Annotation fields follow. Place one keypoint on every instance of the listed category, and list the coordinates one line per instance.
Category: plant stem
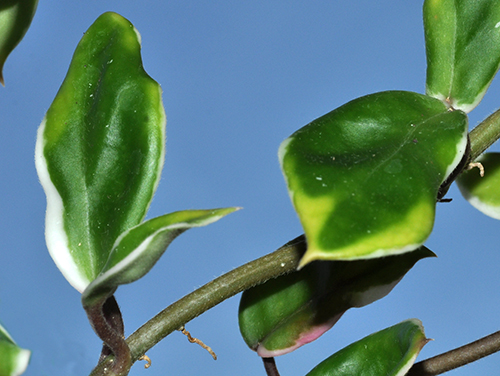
(270, 366)
(485, 134)
(105, 318)
(113, 316)
(282, 261)
(458, 357)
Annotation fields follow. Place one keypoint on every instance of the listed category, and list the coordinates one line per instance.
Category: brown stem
(108, 333)
(270, 366)
(458, 357)
(113, 316)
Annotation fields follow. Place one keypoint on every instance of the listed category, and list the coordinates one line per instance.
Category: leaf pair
(365, 178)
(99, 156)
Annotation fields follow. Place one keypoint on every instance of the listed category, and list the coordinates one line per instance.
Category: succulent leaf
(390, 352)
(100, 149)
(290, 311)
(364, 178)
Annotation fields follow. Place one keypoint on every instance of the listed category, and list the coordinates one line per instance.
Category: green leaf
(287, 312)
(390, 352)
(463, 49)
(483, 192)
(100, 149)
(138, 249)
(364, 178)
(13, 359)
(15, 19)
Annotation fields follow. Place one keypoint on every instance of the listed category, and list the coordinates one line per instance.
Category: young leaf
(462, 40)
(15, 19)
(483, 192)
(100, 149)
(13, 359)
(138, 249)
(287, 312)
(390, 352)
(364, 178)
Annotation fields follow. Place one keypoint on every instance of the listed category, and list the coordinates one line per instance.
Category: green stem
(485, 134)
(282, 261)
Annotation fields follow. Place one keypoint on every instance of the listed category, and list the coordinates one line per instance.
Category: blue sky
(237, 79)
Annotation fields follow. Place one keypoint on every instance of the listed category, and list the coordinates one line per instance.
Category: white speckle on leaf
(497, 25)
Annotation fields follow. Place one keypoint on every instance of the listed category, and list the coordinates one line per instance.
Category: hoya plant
(365, 180)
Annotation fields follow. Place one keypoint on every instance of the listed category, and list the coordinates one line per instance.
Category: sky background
(237, 79)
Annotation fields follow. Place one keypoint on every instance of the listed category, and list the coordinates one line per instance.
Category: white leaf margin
(22, 357)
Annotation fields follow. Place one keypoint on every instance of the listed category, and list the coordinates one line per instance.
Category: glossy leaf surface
(100, 149)
(364, 178)
(390, 352)
(483, 192)
(138, 249)
(15, 19)
(290, 311)
(13, 359)
(463, 49)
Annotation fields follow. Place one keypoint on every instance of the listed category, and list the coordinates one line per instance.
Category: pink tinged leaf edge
(55, 236)
(305, 338)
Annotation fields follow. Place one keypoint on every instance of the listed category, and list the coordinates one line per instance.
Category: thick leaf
(364, 178)
(285, 313)
(100, 149)
(390, 352)
(138, 249)
(463, 49)
(13, 359)
(15, 19)
(483, 192)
